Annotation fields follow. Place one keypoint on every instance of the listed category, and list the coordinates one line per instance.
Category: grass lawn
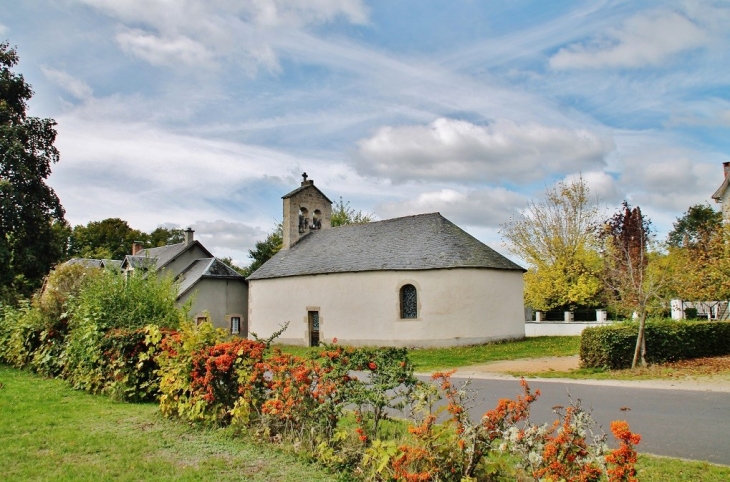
(431, 359)
(50, 432)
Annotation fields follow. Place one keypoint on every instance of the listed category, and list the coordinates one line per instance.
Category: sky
(184, 113)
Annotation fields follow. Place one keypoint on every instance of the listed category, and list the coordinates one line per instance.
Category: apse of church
(306, 209)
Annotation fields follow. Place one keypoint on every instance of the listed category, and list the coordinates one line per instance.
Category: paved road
(675, 423)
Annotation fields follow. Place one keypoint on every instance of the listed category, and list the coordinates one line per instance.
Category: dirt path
(501, 369)
(531, 365)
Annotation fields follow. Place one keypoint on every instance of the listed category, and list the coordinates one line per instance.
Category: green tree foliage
(111, 238)
(163, 236)
(264, 250)
(695, 227)
(556, 236)
(343, 213)
(31, 215)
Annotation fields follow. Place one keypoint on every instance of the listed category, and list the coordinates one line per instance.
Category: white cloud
(645, 39)
(713, 118)
(455, 150)
(296, 12)
(163, 51)
(485, 208)
(3, 29)
(669, 181)
(190, 32)
(75, 87)
(227, 234)
(601, 184)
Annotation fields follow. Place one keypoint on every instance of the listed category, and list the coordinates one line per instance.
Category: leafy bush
(129, 365)
(111, 302)
(613, 346)
(176, 363)
(33, 334)
(20, 334)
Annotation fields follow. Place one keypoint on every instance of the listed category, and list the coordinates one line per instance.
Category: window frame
(402, 301)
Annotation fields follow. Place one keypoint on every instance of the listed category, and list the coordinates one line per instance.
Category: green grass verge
(662, 469)
(50, 432)
(432, 359)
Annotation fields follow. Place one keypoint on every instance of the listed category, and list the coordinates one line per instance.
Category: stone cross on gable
(304, 175)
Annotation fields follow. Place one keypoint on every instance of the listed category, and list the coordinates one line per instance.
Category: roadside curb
(706, 385)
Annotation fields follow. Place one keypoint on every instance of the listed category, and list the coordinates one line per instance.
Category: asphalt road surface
(675, 423)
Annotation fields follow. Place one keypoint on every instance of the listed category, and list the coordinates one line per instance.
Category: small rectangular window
(200, 320)
(235, 325)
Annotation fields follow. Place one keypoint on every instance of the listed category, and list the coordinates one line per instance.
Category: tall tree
(703, 269)
(556, 236)
(110, 238)
(30, 209)
(695, 227)
(634, 274)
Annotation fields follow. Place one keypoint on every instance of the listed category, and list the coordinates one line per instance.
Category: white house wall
(220, 299)
(455, 307)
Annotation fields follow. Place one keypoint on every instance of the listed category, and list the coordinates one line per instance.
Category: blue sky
(205, 113)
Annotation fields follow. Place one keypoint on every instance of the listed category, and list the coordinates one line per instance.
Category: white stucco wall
(559, 328)
(455, 307)
(221, 299)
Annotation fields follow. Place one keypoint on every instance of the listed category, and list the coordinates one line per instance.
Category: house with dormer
(410, 281)
(216, 291)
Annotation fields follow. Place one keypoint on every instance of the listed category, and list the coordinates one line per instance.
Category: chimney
(136, 247)
(726, 168)
(189, 235)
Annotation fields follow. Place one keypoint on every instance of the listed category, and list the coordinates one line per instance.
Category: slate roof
(95, 263)
(424, 241)
(302, 188)
(111, 263)
(720, 193)
(87, 262)
(205, 268)
(159, 257)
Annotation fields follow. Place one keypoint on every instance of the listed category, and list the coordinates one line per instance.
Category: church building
(415, 281)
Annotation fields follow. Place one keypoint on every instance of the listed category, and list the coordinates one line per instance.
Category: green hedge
(613, 346)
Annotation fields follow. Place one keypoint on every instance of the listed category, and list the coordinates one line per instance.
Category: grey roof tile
(205, 268)
(302, 188)
(87, 262)
(718, 195)
(111, 263)
(424, 241)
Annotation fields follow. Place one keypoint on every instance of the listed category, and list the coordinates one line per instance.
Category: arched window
(408, 302)
(303, 219)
